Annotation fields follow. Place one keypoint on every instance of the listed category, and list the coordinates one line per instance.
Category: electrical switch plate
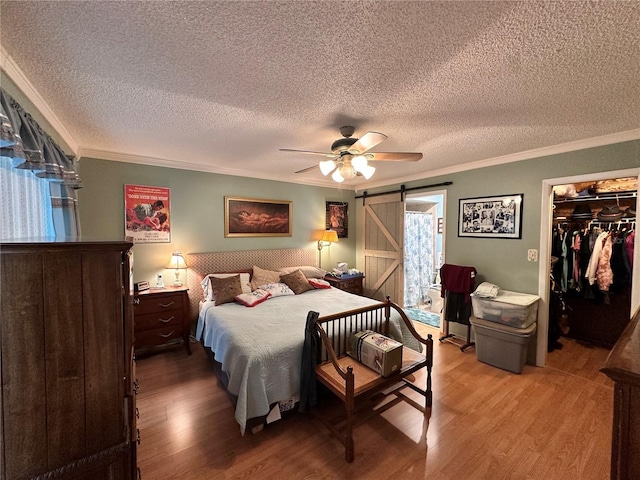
(532, 255)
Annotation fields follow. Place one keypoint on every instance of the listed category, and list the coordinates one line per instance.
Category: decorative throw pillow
(252, 299)
(262, 277)
(319, 283)
(207, 291)
(226, 289)
(297, 282)
(308, 270)
(277, 289)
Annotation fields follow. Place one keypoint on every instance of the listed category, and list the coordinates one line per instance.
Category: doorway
(423, 256)
(556, 209)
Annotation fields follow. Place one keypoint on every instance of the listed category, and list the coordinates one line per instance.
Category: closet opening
(423, 257)
(591, 261)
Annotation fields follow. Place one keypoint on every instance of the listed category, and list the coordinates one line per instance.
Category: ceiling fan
(350, 156)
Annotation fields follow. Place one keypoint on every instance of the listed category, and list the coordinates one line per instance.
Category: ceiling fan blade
(394, 156)
(307, 152)
(367, 141)
(307, 169)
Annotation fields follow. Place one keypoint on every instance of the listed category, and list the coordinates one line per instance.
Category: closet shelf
(598, 197)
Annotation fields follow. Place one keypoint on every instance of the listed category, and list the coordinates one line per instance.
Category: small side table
(348, 283)
(161, 315)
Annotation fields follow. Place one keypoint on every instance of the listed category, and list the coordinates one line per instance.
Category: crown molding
(88, 153)
(610, 139)
(17, 76)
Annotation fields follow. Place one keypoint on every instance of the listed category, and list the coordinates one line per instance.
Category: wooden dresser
(67, 401)
(623, 367)
(160, 317)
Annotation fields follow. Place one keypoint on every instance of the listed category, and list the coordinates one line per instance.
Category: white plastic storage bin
(518, 310)
(500, 345)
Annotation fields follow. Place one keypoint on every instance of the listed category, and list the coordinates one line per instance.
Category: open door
(383, 247)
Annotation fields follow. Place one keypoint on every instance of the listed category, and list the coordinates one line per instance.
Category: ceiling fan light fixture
(359, 162)
(327, 166)
(347, 171)
(336, 176)
(367, 171)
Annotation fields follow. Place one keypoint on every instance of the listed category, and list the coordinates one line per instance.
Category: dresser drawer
(158, 320)
(159, 303)
(157, 336)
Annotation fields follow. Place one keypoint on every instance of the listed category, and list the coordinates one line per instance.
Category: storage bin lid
(512, 298)
(500, 327)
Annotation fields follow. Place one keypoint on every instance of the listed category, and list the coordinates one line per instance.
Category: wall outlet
(532, 255)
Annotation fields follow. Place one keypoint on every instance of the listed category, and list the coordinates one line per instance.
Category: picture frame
(491, 217)
(337, 218)
(254, 217)
(147, 213)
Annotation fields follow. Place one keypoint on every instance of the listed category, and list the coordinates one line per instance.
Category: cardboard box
(380, 353)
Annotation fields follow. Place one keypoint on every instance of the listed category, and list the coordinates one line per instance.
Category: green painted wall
(197, 212)
(504, 261)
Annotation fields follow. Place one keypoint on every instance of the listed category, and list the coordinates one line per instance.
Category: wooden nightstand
(161, 315)
(349, 283)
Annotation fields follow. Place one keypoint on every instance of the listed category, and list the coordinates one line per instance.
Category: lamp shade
(327, 166)
(330, 236)
(176, 261)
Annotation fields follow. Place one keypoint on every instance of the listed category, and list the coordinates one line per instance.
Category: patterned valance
(31, 148)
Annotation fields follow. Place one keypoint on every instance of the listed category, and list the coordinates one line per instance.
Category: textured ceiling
(221, 86)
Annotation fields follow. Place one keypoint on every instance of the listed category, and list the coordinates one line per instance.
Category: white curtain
(25, 207)
(418, 257)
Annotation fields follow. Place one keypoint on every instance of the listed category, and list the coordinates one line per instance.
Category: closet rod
(402, 190)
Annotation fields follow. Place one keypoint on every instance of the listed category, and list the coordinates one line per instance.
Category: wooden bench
(358, 386)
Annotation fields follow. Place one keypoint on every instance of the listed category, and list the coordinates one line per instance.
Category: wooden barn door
(383, 247)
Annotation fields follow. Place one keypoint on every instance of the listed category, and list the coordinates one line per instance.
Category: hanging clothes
(592, 268)
(457, 284)
(604, 273)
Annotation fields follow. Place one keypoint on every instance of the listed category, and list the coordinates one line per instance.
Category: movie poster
(147, 214)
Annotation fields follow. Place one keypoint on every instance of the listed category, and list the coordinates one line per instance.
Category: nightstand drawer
(157, 336)
(351, 285)
(159, 303)
(158, 320)
(160, 316)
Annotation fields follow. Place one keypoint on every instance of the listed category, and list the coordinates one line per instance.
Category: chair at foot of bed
(359, 387)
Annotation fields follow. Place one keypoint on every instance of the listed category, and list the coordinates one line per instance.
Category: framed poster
(491, 217)
(147, 214)
(251, 217)
(338, 218)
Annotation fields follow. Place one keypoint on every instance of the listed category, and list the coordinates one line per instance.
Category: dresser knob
(136, 301)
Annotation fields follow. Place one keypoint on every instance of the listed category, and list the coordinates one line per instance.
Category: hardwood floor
(547, 423)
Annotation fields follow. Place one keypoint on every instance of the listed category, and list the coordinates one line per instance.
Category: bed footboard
(357, 385)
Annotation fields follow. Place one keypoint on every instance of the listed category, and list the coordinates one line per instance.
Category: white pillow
(207, 291)
(277, 289)
(252, 299)
(308, 270)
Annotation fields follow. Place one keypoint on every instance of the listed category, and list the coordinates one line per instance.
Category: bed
(258, 350)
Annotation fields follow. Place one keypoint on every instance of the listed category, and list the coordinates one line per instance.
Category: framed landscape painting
(252, 217)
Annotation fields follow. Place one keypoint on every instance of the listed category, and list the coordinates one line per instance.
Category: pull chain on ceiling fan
(350, 156)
